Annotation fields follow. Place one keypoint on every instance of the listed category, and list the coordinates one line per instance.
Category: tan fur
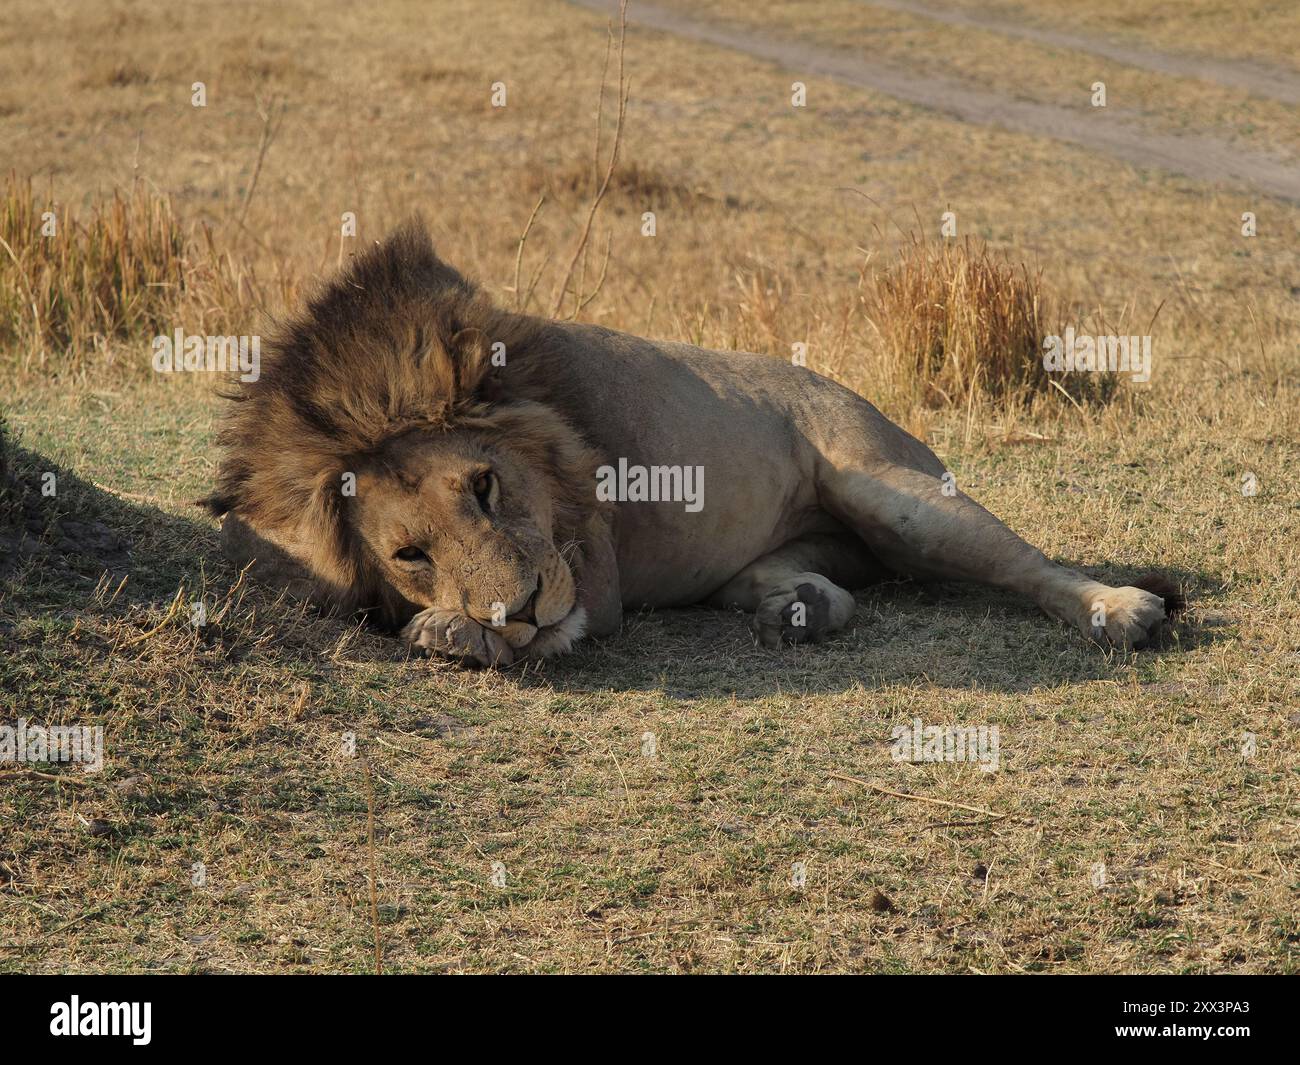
(393, 354)
(475, 522)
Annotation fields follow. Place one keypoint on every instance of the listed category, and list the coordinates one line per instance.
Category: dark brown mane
(398, 341)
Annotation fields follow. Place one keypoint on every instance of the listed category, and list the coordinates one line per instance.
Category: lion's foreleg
(792, 597)
(599, 587)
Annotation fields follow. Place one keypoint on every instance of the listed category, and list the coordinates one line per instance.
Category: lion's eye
(410, 554)
(482, 487)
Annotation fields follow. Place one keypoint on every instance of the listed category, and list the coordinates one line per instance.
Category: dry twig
(581, 247)
(270, 127)
(918, 798)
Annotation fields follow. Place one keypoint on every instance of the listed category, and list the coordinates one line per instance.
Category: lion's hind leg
(919, 524)
(791, 590)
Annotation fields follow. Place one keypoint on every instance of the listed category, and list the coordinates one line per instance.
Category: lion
(497, 486)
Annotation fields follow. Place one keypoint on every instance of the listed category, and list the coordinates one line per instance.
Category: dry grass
(1270, 33)
(74, 290)
(955, 324)
(947, 324)
(1026, 70)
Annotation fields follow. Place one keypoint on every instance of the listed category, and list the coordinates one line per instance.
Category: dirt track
(1196, 156)
(1275, 84)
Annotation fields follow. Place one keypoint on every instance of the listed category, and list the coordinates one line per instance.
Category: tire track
(1198, 156)
(1271, 82)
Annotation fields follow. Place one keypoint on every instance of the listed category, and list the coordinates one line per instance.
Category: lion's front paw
(451, 635)
(1126, 617)
(805, 608)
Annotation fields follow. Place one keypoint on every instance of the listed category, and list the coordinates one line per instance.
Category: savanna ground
(225, 746)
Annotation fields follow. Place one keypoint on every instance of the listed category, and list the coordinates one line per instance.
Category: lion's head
(404, 442)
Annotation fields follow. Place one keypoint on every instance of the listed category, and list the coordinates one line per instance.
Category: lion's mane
(399, 341)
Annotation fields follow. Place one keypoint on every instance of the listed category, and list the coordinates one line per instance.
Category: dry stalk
(370, 848)
(580, 248)
(916, 798)
(271, 124)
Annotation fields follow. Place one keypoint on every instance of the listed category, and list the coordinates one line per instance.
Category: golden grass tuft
(946, 324)
(126, 273)
(955, 319)
(955, 324)
(116, 74)
(637, 185)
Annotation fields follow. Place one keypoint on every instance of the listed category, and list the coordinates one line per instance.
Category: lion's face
(456, 520)
(474, 485)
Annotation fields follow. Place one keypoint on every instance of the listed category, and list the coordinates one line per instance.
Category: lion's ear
(470, 348)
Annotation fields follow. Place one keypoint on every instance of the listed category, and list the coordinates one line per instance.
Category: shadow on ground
(55, 549)
(955, 636)
(60, 536)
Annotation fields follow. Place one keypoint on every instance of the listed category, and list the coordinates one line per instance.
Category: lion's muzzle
(556, 594)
